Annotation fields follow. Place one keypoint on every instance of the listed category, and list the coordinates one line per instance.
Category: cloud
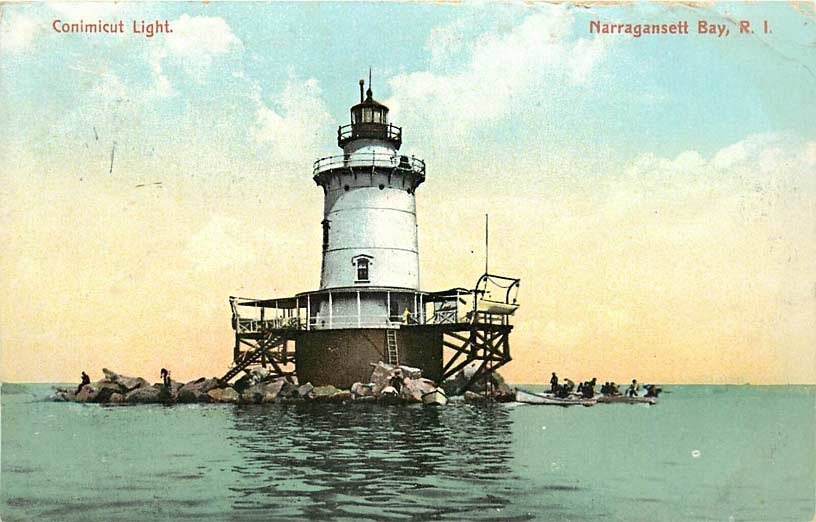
(504, 70)
(295, 127)
(695, 262)
(445, 41)
(193, 45)
(17, 31)
(110, 87)
(200, 38)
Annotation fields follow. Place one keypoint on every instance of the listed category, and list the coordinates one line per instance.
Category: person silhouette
(85, 380)
(165, 375)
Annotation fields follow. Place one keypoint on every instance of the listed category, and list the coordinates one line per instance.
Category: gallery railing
(396, 162)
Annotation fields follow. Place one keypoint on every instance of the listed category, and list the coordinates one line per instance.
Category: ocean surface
(728, 453)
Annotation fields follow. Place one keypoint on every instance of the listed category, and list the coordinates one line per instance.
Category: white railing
(456, 310)
(370, 159)
(256, 325)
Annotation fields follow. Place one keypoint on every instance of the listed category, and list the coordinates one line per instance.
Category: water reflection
(372, 462)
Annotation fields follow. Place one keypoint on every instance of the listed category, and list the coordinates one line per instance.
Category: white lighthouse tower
(369, 221)
(369, 216)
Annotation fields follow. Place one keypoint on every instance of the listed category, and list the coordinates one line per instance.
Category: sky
(655, 195)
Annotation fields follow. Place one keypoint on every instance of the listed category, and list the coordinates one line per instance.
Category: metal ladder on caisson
(391, 347)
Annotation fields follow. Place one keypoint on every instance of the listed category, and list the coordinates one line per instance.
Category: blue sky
(654, 194)
(700, 91)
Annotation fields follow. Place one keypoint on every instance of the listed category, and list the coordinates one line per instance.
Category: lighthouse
(369, 225)
(369, 307)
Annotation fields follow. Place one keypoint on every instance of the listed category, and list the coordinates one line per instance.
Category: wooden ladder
(391, 344)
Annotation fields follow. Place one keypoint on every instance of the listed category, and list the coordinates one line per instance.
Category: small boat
(549, 399)
(496, 307)
(622, 399)
(436, 397)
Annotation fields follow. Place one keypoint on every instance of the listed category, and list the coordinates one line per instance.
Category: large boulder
(381, 376)
(263, 392)
(191, 396)
(499, 389)
(196, 391)
(251, 378)
(324, 391)
(144, 395)
(456, 384)
(104, 383)
(261, 374)
(273, 389)
(224, 395)
(203, 384)
(288, 389)
(86, 394)
(104, 394)
(117, 398)
(341, 396)
(63, 395)
(360, 390)
(410, 372)
(128, 383)
(384, 373)
(330, 394)
(414, 389)
(170, 393)
(304, 391)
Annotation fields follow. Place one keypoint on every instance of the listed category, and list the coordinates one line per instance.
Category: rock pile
(400, 383)
(387, 384)
(497, 388)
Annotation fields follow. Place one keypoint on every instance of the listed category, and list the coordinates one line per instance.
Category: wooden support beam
(454, 346)
(455, 335)
(456, 368)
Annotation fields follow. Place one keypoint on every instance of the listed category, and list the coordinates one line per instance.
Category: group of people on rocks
(165, 376)
(587, 389)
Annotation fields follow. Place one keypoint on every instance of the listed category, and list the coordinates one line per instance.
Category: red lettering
(745, 26)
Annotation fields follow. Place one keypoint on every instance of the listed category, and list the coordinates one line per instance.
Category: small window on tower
(367, 116)
(362, 269)
(377, 116)
(362, 264)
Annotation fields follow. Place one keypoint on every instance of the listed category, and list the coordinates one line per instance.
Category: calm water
(703, 453)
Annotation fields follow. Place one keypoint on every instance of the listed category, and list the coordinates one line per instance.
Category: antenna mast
(487, 241)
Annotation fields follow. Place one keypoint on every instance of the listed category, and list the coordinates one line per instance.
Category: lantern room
(369, 121)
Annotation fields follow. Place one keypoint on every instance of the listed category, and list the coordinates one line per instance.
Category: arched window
(362, 269)
(362, 265)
